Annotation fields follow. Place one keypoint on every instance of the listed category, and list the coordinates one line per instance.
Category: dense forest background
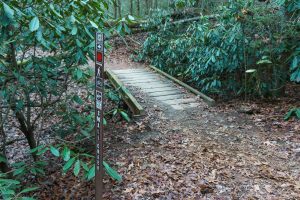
(240, 49)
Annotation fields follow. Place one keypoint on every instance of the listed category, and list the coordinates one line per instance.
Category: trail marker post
(99, 93)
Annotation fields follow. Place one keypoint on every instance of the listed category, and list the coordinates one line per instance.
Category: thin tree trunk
(147, 7)
(31, 139)
(4, 168)
(119, 8)
(28, 131)
(138, 7)
(115, 9)
(131, 7)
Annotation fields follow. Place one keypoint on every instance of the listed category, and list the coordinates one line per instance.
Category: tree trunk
(4, 168)
(32, 143)
(28, 131)
(138, 7)
(131, 7)
(147, 7)
(120, 8)
(115, 9)
(150, 4)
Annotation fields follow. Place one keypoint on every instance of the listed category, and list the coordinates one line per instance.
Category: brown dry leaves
(178, 159)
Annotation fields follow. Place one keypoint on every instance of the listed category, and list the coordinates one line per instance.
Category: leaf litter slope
(203, 153)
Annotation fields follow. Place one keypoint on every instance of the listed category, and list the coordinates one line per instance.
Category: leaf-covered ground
(235, 150)
(207, 154)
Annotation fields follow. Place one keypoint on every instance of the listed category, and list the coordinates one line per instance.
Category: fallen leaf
(268, 188)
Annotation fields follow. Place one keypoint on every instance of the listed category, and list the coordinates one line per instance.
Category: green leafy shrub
(295, 66)
(220, 54)
(44, 74)
(43, 46)
(11, 189)
(295, 112)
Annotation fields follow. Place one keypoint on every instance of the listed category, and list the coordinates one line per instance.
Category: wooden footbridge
(157, 85)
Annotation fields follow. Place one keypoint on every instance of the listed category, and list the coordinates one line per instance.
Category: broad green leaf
(264, 61)
(39, 35)
(104, 122)
(19, 12)
(111, 172)
(19, 164)
(88, 155)
(77, 168)
(54, 151)
(130, 17)
(27, 198)
(127, 30)
(34, 24)
(91, 173)
(298, 113)
(291, 113)
(119, 28)
(33, 171)
(125, 116)
(42, 151)
(36, 148)
(29, 190)
(72, 19)
(19, 171)
(213, 59)
(2, 159)
(78, 100)
(294, 64)
(40, 171)
(20, 105)
(9, 12)
(85, 133)
(8, 192)
(78, 43)
(9, 181)
(79, 73)
(250, 71)
(85, 166)
(94, 24)
(74, 30)
(88, 32)
(295, 76)
(66, 154)
(55, 12)
(68, 165)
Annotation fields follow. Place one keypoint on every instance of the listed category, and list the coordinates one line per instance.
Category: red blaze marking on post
(99, 56)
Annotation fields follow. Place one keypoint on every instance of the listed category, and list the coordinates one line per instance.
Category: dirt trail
(203, 153)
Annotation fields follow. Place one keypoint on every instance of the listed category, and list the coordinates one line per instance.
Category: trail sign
(99, 93)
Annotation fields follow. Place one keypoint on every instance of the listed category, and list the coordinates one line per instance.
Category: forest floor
(219, 152)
